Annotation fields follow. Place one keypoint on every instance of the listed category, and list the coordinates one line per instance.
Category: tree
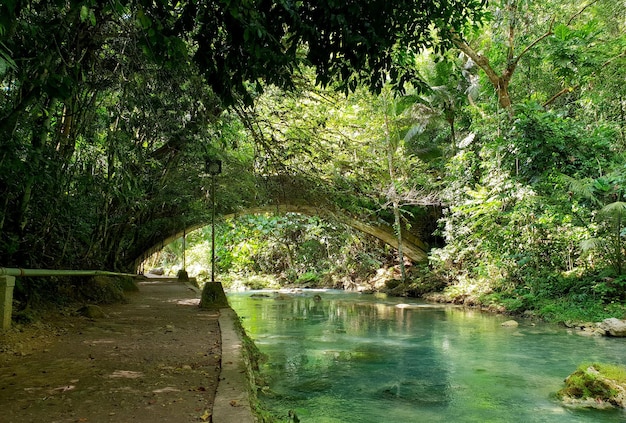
(611, 244)
(120, 95)
(565, 33)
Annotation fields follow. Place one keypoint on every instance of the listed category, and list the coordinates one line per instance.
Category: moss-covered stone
(92, 312)
(102, 290)
(126, 283)
(595, 386)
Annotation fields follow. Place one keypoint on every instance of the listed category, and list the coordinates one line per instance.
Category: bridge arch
(412, 246)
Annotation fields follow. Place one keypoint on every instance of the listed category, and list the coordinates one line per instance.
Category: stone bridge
(293, 195)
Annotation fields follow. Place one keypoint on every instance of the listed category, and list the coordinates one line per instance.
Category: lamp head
(213, 166)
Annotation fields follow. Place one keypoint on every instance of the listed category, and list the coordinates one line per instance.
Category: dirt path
(155, 359)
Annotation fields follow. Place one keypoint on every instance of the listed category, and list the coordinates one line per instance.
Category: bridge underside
(412, 246)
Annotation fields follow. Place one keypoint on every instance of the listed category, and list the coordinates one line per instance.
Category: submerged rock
(510, 324)
(258, 295)
(282, 297)
(586, 328)
(597, 386)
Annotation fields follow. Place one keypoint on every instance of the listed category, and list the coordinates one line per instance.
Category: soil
(155, 359)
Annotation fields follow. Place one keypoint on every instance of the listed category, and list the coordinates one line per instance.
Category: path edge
(232, 399)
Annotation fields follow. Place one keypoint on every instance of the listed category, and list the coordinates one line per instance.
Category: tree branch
(479, 59)
(534, 43)
(577, 14)
(575, 87)
(559, 94)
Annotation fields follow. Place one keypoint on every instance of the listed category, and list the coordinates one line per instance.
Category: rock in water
(510, 324)
(613, 327)
(595, 386)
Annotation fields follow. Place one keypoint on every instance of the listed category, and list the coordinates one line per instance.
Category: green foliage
(611, 289)
(545, 142)
(103, 140)
(610, 371)
(520, 222)
(238, 281)
(420, 281)
(560, 298)
(344, 43)
(308, 279)
(611, 243)
(575, 308)
(306, 251)
(103, 135)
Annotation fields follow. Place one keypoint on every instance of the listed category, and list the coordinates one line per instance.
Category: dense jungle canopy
(504, 123)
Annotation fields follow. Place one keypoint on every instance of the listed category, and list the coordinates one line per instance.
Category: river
(343, 357)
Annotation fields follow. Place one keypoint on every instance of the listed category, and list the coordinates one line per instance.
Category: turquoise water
(365, 358)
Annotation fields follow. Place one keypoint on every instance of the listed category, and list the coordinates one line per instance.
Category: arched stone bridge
(294, 195)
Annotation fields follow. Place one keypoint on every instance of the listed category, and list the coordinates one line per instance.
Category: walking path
(158, 358)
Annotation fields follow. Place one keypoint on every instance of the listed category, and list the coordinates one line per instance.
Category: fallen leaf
(62, 389)
(128, 374)
(205, 416)
(166, 389)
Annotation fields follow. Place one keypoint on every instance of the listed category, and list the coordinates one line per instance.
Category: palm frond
(613, 212)
(592, 244)
(582, 188)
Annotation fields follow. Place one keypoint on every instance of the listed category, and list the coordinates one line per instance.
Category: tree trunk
(499, 82)
(392, 192)
(398, 228)
(38, 143)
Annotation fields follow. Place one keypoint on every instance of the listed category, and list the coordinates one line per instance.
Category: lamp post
(213, 295)
(185, 249)
(213, 167)
(183, 276)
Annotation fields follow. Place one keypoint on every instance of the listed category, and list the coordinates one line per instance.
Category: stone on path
(92, 312)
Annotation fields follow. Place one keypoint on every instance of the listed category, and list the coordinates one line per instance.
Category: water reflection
(360, 358)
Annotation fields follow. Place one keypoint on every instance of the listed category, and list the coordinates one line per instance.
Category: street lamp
(183, 276)
(213, 167)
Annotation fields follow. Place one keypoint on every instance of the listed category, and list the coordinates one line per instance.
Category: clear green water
(361, 358)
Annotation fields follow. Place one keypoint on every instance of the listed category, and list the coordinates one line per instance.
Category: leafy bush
(101, 290)
(308, 279)
(544, 142)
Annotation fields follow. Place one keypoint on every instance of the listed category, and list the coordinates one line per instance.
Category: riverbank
(568, 310)
(157, 358)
